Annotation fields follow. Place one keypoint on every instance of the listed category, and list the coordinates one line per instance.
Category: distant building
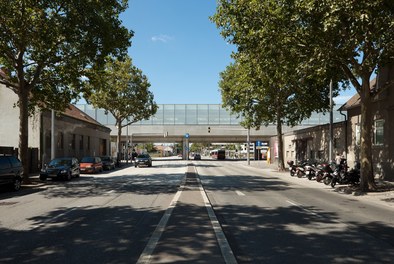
(76, 133)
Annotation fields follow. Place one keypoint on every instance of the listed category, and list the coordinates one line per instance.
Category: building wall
(382, 154)
(9, 118)
(96, 138)
(73, 138)
(313, 143)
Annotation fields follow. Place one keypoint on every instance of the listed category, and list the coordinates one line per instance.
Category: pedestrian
(338, 158)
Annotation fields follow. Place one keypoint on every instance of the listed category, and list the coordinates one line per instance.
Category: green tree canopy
(122, 90)
(45, 46)
(269, 81)
(350, 37)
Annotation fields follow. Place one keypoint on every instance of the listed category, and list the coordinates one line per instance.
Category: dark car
(11, 172)
(108, 163)
(61, 168)
(197, 156)
(143, 160)
(91, 165)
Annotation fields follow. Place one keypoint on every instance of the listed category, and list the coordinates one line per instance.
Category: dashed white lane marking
(239, 193)
(303, 208)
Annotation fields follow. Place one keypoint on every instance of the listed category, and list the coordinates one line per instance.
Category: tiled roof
(75, 112)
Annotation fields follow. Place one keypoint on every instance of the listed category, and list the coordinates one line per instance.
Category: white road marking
(306, 210)
(154, 239)
(225, 248)
(239, 193)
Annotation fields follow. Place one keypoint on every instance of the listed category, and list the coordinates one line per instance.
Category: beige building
(312, 143)
(76, 133)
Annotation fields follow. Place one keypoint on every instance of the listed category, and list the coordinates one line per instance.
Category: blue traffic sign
(187, 135)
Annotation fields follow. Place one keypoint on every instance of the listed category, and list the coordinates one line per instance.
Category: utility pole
(248, 147)
(330, 148)
(52, 134)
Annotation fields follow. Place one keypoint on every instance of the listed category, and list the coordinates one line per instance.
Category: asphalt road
(264, 217)
(270, 217)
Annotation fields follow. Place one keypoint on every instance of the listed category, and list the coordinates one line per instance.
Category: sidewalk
(385, 195)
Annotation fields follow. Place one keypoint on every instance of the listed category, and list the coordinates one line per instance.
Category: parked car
(143, 160)
(11, 172)
(108, 163)
(197, 156)
(61, 168)
(91, 165)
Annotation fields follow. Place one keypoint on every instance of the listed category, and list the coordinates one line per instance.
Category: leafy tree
(354, 37)
(269, 82)
(122, 90)
(196, 147)
(45, 47)
(358, 38)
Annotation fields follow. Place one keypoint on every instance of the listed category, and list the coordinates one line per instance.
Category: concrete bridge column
(185, 154)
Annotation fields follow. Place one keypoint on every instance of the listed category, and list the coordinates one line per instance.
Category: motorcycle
(327, 172)
(292, 167)
(343, 176)
(298, 169)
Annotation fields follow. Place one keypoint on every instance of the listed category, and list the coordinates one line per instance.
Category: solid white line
(225, 248)
(154, 239)
(239, 193)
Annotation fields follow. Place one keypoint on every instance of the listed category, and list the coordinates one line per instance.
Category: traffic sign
(187, 135)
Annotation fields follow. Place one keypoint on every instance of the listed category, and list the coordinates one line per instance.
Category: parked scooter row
(328, 173)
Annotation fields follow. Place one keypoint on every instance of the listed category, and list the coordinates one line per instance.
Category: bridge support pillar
(185, 154)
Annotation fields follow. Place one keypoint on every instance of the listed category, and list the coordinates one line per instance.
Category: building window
(378, 132)
(88, 142)
(81, 142)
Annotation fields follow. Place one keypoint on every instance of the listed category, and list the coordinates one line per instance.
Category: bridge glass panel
(111, 119)
(158, 118)
(234, 119)
(225, 117)
(202, 114)
(168, 114)
(146, 122)
(180, 114)
(214, 114)
(101, 116)
(91, 111)
(191, 114)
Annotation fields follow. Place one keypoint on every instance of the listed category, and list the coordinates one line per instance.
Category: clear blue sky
(180, 50)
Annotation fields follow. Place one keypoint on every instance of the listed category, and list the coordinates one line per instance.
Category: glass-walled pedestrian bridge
(198, 122)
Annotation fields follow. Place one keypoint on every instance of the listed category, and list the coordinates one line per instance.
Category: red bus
(218, 154)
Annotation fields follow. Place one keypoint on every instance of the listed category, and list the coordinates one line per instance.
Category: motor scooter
(327, 172)
(292, 167)
(342, 176)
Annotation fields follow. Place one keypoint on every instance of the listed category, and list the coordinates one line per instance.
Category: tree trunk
(118, 142)
(367, 181)
(23, 97)
(281, 164)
